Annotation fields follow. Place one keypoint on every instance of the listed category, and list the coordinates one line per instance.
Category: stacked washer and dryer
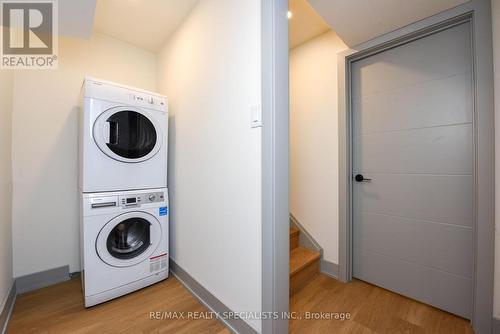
(123, 184)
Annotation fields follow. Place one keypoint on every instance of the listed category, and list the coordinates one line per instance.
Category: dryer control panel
(148, 100)
(109, 91)
(138, 199)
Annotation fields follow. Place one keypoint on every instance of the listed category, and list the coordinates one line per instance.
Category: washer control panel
(148, 100)
(138, 199)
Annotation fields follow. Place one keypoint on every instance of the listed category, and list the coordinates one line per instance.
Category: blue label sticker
(164, 211)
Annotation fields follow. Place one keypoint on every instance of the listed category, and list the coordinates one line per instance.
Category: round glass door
(128, 239)
(127, 134)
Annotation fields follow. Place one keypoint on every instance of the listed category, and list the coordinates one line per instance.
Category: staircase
(304, 263)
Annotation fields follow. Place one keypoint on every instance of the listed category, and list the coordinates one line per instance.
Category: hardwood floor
(59, 309)
(372, 310)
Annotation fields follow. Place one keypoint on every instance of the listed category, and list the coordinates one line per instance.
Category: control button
(151, 100)
(152, 197)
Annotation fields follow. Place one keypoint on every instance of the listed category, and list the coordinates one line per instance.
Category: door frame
(478, 13)
(275, 134)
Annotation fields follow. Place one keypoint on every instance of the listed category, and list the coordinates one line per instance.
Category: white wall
(314, 139)
(45, 150)
(210, 70)
(5, 185)
(496, 51)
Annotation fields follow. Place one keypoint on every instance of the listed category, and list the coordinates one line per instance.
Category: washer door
(127, 134)
(128, 239)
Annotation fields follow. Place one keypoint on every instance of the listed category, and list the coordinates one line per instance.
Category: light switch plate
(256, 116)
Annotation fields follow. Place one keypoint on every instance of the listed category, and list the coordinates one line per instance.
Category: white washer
(123, 138)
(124, 240)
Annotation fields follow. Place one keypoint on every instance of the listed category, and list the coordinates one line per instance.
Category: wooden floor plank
(372, 310)
(59, 309)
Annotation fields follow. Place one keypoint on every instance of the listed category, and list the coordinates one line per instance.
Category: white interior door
(413, 137)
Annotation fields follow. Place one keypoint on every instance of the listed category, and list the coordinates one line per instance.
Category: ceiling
(148, 25)
(356, 22)
(144, 24)
(305, 23)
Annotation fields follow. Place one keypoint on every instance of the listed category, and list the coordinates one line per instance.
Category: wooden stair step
(294, 238)
(300, 258)
(304, 266)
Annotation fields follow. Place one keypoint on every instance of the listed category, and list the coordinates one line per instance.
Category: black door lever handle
(361, 178)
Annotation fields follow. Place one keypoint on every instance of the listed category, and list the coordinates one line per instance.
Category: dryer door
(128, 239)
(127, 134)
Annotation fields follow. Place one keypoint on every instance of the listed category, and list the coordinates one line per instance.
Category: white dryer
(124, 240)
(123, 138)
